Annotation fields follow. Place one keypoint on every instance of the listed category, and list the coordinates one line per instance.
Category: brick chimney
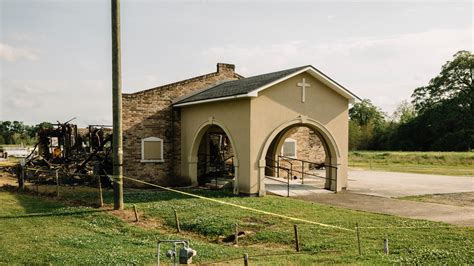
(225, 68)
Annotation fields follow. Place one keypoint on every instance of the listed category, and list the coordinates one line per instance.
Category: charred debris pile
(75, 154)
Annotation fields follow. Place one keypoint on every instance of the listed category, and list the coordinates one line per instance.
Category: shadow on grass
(88, 196)
(143, 196)
(43, 205)
(53, 214)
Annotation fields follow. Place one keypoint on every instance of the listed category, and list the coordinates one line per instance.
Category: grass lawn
(41, 230)
(443, 163)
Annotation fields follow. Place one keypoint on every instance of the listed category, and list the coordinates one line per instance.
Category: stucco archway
(329, 143)
(193, 155)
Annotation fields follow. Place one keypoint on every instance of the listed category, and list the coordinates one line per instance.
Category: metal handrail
(286, 160)
(303, 173)
(295, 159)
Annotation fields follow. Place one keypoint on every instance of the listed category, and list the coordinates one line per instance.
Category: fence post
(385, 246)
(358, 239)
(57, 183)
(297, 241)
(21, 179)
(246, 259)
(101, 197)
(176, 220)
(136, 213)
(25, 176)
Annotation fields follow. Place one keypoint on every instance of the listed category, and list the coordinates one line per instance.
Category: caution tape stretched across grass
(225, 203)
(240, 206)
(256, 210)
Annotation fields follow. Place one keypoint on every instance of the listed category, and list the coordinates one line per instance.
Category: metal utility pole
(117, 107)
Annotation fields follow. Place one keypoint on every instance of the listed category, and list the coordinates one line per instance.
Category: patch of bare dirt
(455, 199)
(7, 179)
(128, 216)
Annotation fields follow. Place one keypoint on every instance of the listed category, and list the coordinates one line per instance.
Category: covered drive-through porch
(249, 131)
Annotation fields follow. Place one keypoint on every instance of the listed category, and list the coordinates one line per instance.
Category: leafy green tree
(404, 112)
(365, 120)
(43, 125)
(365, 113)
(5, 131)
(17, 132)
(445, 107)
(355, 135)
(454, 81)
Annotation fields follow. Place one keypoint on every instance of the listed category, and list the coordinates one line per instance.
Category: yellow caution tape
(241, 207)
(257, 210)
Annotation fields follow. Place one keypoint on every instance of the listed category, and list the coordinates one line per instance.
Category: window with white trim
(152, 150)
(289, 148)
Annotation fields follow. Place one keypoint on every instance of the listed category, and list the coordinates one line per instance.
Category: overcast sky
(55, 57)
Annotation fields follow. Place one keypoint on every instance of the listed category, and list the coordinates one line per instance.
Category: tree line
(440, 116)
(16, 132)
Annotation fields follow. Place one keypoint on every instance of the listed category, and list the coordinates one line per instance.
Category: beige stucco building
(244, 121)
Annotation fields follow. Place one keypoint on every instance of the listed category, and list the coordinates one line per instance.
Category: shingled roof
(249, 87)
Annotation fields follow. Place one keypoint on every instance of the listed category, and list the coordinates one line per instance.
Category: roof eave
(332, 84)
(247, 95)
(310, 69)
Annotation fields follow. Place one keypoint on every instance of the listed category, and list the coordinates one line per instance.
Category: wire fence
(358, 237)
(53, 179)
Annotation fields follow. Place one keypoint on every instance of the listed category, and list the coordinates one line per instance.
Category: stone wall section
(308, 148)
(149, 113)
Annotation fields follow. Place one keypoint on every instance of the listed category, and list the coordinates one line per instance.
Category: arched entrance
(276, 158)
(213, 159)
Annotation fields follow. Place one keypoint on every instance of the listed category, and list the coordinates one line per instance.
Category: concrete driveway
(395, 184)
(379, 183)
(376, 191)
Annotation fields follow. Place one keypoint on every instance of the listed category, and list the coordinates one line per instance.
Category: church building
(221, 127)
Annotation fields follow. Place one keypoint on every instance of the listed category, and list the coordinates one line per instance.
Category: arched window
(152, 150)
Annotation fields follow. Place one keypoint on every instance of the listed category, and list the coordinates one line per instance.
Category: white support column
(261, 178)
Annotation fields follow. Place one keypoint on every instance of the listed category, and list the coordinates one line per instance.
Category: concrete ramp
(279, 186)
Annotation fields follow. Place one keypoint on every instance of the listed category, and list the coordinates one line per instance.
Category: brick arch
(193, 155)
(330, 146)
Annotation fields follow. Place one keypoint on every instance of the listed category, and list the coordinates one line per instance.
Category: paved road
(394, 184)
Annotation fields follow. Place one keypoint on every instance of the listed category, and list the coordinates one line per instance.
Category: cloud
(12, 54)
(24, 103)
(392, 66)
(33, 101)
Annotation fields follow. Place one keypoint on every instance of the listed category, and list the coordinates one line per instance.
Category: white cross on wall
(303, 86)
